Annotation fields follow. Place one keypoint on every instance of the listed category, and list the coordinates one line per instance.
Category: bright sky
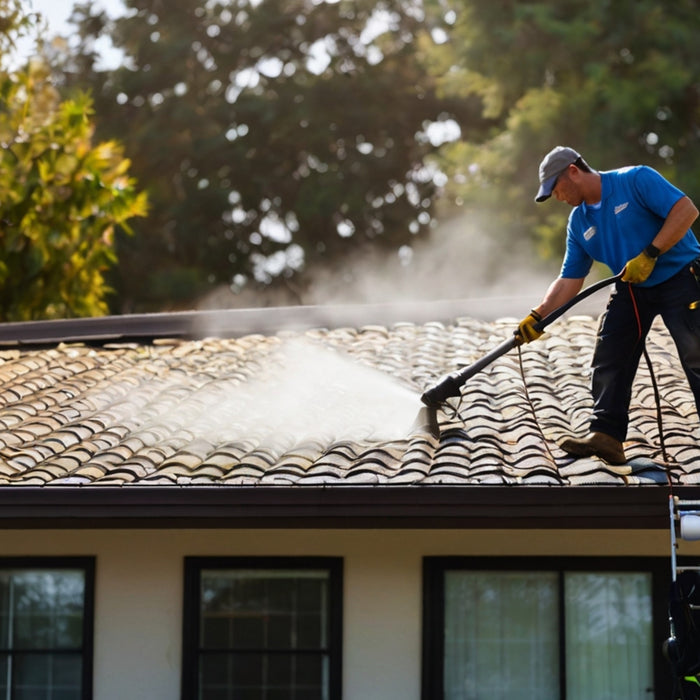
(57, 12)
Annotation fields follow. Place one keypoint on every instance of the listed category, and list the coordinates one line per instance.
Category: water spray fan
(451, 384)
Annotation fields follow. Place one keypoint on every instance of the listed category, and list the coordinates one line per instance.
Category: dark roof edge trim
(480, 507)
(227, 322)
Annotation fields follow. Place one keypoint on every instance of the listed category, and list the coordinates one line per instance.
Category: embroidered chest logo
(621, 207)
(589, 233)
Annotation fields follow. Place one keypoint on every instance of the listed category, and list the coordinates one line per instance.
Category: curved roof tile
(244, 411)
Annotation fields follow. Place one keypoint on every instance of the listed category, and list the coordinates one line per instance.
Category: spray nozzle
(447, 387)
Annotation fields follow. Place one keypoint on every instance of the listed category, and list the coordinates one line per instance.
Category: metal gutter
(477, 507)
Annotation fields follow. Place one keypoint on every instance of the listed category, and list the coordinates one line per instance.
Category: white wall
(140, 583)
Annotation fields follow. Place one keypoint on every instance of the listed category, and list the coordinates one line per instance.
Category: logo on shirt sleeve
(621, 207)
(589, 233)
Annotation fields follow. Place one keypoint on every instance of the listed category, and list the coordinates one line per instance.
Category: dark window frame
(434, 569)
(86, 564)
(194, 565)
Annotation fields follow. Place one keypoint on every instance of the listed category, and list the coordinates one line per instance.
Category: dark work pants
(621, 336)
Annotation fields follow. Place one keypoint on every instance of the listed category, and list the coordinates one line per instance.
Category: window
(46, 628)
(544, 629)
(261, 628)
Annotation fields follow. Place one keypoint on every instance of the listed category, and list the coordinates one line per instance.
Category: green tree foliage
(272, 134)
(14, 23)
(618, 81)
(60, 197)
(275, 135)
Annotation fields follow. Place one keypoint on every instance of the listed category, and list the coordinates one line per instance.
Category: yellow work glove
(638, 269)
(526, 331)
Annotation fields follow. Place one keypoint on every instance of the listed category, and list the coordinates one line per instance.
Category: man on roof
(636, 222)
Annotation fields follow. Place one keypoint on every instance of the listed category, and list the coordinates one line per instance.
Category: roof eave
(401, 507)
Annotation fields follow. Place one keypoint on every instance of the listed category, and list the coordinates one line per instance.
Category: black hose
(450, 384)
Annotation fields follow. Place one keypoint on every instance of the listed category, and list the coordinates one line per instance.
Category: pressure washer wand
(451, 384)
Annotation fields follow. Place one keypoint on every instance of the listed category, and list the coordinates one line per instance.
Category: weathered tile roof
(332, 410)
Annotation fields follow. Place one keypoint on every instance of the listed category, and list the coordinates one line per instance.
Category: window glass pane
(501, 635)
(41, 609)
(263, 676)
(609, 645)
(265, 633)
(4, 674)
(46, 676)
(41, 633)
(264, 610)
(215, 672)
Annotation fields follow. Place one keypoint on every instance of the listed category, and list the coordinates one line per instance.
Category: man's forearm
(559, 292)
(679, 220)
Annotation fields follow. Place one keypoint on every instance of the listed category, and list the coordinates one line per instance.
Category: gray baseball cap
(551, 167)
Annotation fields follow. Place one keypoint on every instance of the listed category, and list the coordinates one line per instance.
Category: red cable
(657, 396)
(636, 312)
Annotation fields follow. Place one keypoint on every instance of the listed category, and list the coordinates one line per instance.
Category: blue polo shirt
(634, 203)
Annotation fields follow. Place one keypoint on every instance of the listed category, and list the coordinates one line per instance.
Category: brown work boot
(595, 444)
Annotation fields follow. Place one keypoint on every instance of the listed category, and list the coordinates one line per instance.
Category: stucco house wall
(139, 591)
